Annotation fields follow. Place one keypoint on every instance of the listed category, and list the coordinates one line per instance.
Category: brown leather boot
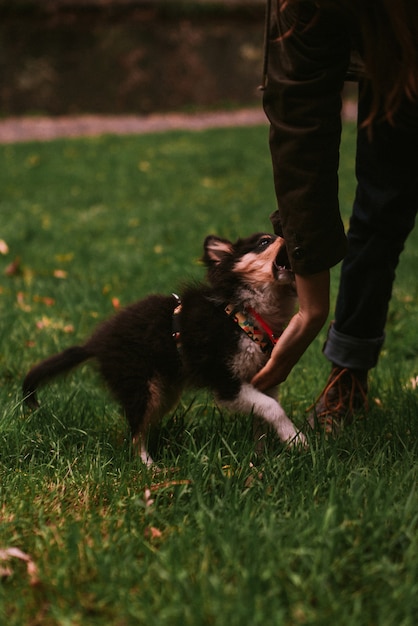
(344, 395)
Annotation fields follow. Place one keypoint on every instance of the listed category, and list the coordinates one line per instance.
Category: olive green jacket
(302, 99)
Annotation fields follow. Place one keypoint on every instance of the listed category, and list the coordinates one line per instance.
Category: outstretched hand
(313, 296)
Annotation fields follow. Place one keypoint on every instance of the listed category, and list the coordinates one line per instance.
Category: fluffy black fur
(139, 358)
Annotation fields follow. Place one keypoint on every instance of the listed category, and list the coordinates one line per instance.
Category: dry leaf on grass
(21, 303)
(14, 268)
(61, 274)
(152, 533)
(169, 483)
(414, 382)
(49, 323)
(46, 300)
(15, 553)
(4, 248)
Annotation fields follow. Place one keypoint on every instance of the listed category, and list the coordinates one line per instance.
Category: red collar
(254, 326)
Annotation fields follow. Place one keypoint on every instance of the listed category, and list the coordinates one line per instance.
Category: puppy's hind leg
(140, 436)
(139, 442)
(145, 416)
(249, 399)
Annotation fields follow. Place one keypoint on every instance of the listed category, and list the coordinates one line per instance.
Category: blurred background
(66, 57)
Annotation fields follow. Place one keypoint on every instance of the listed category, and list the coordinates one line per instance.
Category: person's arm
(308, 58)
(309, 53)
(313, 294)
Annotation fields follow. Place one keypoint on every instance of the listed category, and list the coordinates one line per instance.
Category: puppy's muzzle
(281, 266)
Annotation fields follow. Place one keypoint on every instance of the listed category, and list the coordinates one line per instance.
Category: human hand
(313, 296)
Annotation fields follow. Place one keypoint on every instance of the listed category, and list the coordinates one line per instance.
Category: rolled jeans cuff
(352, 352)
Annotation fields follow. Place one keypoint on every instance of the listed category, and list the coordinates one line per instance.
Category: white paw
(146, 458)
(141, 451)
(298, 441)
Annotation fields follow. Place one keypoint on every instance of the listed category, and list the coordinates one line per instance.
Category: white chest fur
(248, 360)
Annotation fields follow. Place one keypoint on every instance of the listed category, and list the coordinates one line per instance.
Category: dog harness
(250, 322)
(175, 326)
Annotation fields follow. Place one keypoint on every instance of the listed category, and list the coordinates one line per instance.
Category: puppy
(217, 335)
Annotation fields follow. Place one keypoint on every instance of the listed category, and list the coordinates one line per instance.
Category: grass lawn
(327, 536)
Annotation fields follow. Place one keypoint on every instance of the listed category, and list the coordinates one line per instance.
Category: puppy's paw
(298, 442)
(146, 458)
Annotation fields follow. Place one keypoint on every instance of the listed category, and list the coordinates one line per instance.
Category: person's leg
(384, 212)
(383, 215)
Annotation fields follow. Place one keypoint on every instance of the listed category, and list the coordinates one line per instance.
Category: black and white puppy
(217, 335)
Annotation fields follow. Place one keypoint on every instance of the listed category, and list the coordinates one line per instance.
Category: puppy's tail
(50, 368)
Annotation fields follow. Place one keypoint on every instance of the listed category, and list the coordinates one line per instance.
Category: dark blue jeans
(384, 211)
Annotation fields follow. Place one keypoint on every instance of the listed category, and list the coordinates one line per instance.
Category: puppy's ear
(215, 250)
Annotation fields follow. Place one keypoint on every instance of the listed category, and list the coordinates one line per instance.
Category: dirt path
(17, 129)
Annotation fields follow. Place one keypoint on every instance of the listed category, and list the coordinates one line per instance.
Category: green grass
(326, 536)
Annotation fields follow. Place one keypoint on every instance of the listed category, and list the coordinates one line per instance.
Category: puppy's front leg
(261, 429)
(250, 400)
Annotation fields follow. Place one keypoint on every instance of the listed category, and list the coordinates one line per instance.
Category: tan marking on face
(257, 267)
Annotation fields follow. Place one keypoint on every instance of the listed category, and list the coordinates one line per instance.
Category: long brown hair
(389, 31)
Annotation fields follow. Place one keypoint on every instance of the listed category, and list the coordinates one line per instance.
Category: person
(311, 49)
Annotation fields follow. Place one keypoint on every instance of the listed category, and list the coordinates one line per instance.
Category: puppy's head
(256, 261)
